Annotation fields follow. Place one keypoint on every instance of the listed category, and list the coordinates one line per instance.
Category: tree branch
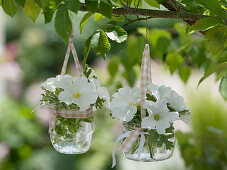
(183, 15)
(173, 5)
(131, 21)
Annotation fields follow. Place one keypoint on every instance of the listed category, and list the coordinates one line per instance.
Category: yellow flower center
(156, 117)
(76, 95)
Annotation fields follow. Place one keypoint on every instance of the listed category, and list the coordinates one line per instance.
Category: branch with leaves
(207, 16)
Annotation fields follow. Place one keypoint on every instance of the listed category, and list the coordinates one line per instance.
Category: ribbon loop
(76, 60)
(145, 78)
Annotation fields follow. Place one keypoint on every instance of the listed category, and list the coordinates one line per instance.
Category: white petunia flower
(123, 105)
(80, 92)
(63, 81)
(159, 116)
(101, 91)
(166, 94)
(51, 83)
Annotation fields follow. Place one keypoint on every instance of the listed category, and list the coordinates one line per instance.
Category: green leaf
(84, 20)
(116, 33)
(86, 50)
(97, 17)
(184, 73)
(20, 2)
(73, 5)
(91, 5)
(63, 25)
(155, 34)
(10, 7)
(221, 74)
(113, 66)
(53, 4)
(206, 23)
(153, 3)
(44, 3)
(105, 8)
(213, 6)
(120, 18)
(174, 61)
(160, 1)
(216, 68)
(137, 3)
(215, 38)
(48, 15)
(161, 47)
(31, 9)
(223, 87)
(100, 43)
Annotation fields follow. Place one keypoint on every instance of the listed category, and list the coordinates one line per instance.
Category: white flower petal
(171, 116)
(161, 129)
(148, 123)
(49, 84)
(66, 97)
(186, 118)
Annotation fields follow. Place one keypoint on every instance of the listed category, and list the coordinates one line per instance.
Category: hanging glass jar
(156, 147)
(72, 135)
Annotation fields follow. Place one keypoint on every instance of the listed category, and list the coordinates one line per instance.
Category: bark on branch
(190, 18)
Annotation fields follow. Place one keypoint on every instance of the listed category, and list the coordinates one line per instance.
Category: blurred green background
(33, 52)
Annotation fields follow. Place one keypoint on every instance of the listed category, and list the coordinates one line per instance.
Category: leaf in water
(206, 23)
(31, 9)
(116, 33)
(223, 87)
(100, 43)
(153, 3)
(216, 68)
(73, 5)
(10, 7)
(216, 38)
(174, 61)
(105, 8)
(91, 5)
(184, 73)
(63, 25)
(213, 6)
(84, 20)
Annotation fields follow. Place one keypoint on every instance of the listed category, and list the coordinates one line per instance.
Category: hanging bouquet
(73, 101)
(74, 93)
(148, 114)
